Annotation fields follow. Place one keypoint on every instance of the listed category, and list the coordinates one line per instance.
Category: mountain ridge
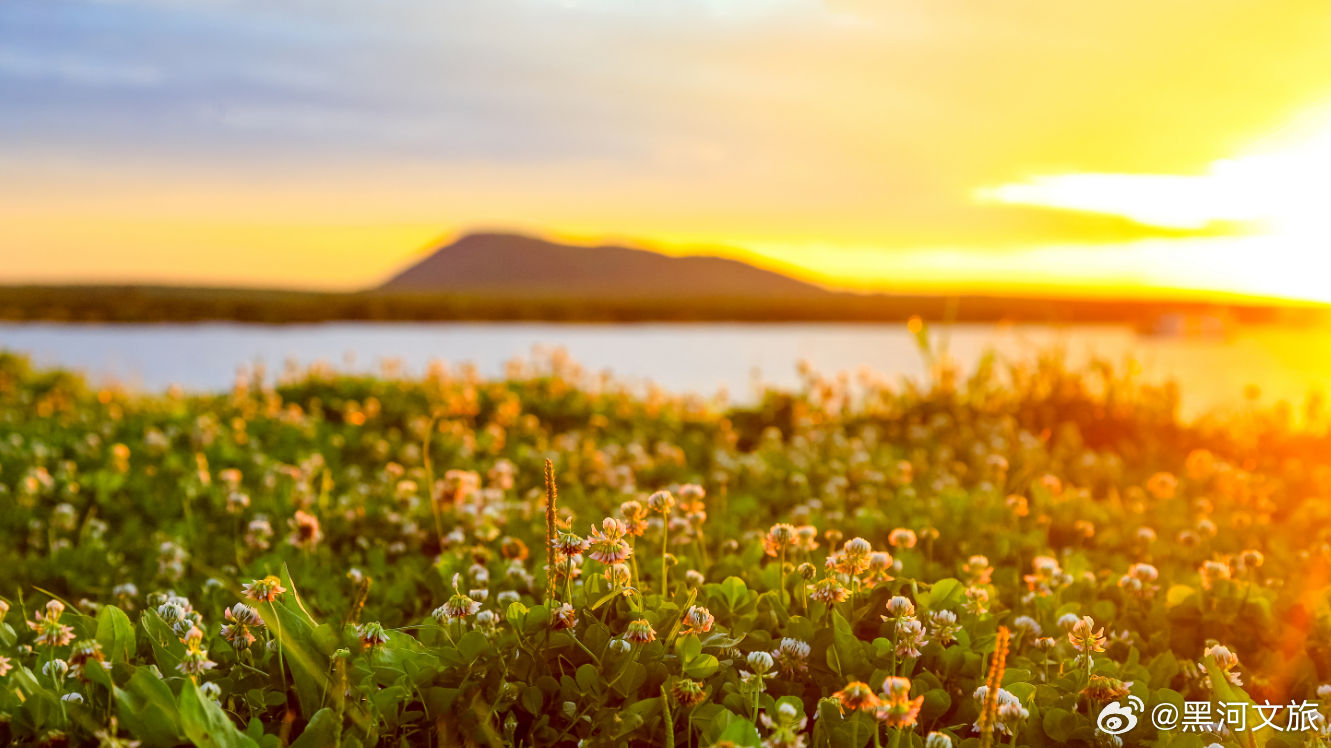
(506, 264)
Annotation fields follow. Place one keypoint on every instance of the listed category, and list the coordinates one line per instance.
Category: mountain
(508, 265)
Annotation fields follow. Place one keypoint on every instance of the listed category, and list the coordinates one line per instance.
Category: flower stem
(665, 545)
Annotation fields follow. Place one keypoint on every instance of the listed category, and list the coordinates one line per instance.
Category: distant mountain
(511, 265)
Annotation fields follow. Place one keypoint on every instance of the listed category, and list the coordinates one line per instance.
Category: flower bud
(899, 607)
(760, 662)
(937, 740)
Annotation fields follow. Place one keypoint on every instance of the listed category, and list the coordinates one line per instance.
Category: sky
(1097, 147)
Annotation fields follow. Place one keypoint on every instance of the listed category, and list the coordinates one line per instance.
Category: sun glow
(1281, 181)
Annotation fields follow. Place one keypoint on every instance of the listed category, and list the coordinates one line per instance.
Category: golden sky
(1111, 147)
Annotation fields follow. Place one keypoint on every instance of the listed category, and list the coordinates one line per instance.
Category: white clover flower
(760, 662)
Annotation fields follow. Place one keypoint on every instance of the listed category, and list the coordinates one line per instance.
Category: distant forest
(160, 304)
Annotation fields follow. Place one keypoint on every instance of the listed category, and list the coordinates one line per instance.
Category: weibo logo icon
(1116, 718)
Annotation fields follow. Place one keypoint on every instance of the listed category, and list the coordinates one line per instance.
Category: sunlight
(1280, 182)
(1278, 185)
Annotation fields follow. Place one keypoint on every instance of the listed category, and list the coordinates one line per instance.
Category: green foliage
(1027, 501)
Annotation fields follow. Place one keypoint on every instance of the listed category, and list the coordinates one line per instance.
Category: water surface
(703, 358)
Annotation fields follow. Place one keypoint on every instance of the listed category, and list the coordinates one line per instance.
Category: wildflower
(50, 632)
(761, 662)
(1084, 639)
(661, 502)
(640, 632)
(563, 617)
(609, 547)
(72, 698)
(1052, 484)
(55, 669)
(4, 609)
(807, 570)
(569, 567)
(780, 537)
(618, 575)
(697, 620)
(688, 692)
(1018, 505)
(1104, 688)
(1068, 620)
(977, 600)
(694, 578)
(1162, 485)
(1226, 661)
(902, 538)
(171, 612)
(943, 626)
(1027, 626)
(258, 532)
(237, 502)
(1011, 717)
(513, 548)
(857, 548)
(305, 532)
(1004, 698)
(5, 666)
(1084, 528)
(83, 652)
(1130, 584)
(195, 662)
(1046, 571)
(457, 486)
(211, 690)
(791, 656)
(1139, 580)
(569, 544)
(910, 637)
(1146, 535)
(937, 740)
(899, 607)
(829, 591)
(856, 695)
(897, 708)
(1212, 572)
(786, 729)
(458, 606)
(1250, 559)
(978, 570)
(372, 635)
(692, 492)
(635, 518)
(242, 619)
(879, 564)
(806, 538)
(265, 590)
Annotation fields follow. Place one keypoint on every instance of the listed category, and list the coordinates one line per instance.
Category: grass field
(996, 558)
